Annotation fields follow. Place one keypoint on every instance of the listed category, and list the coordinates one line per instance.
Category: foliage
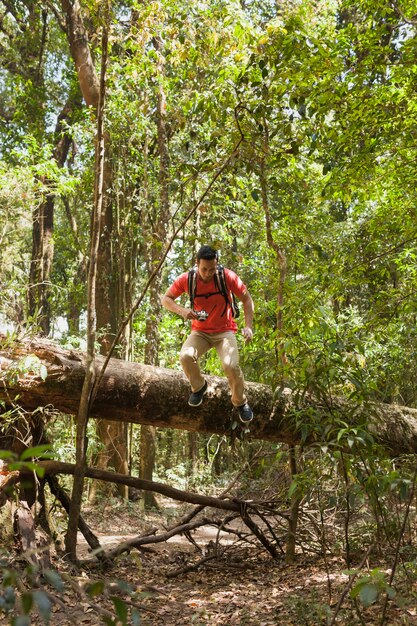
(323, 97)
(20, 463)
(22, 593)
(368, 588)
(27, 592)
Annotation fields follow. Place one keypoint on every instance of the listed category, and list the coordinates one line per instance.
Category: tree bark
(80, 52)
(145, 394)
(52, 468)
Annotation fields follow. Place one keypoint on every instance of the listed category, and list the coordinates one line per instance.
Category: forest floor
(244, 586)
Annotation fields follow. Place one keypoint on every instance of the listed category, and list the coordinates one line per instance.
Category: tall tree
(157, 236)
(43, 224)
(112, 435)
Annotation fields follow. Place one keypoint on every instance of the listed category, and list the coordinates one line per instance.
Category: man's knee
(188, 356)
(232, 370)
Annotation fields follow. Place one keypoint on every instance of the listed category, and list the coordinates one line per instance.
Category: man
(217, 330)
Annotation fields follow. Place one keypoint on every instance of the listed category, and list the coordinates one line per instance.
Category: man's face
(206, 269)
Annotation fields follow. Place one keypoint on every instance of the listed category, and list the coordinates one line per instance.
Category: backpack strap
(230, 299)
(192, 285)
(220, 283)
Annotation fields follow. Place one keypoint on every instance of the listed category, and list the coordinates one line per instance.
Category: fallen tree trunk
(144, 394)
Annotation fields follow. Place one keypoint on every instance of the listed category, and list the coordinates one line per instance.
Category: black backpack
(220, 282)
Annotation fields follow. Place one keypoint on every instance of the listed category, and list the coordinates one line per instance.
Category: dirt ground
(242, 585)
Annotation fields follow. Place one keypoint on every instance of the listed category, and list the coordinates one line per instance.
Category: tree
(26, 30)
(112, 435)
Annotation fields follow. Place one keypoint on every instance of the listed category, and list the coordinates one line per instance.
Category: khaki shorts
(225, 344)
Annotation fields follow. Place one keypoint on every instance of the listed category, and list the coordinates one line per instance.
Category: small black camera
(201, 315)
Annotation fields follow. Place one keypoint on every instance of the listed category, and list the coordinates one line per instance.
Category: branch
(64, 499)
(56, 467)
(412, 22)
(191, 567)
(254, 528)
(141, 541)
(58, 16)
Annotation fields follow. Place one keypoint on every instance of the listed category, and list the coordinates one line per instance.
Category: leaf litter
(241, 585)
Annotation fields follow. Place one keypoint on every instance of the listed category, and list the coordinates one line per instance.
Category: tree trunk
(144, 394)
(40, 265)
(43, 226)
(80, 52)
(193, 452)
(147, 462)
(157, 237)
(112, 434)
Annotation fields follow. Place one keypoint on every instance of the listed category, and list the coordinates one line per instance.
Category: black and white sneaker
(196, 398)
(245, 413)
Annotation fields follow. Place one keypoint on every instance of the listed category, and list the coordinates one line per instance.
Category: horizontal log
(157, 396)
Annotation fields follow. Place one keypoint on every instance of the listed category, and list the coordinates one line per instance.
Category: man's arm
(248, 310)
(168, 302)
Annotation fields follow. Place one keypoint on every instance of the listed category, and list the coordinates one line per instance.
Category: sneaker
(245, 413)
(196, 398)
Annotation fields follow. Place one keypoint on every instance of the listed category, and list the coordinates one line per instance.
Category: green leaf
(121, 609)
(30, 361)
(96, 588)
(7, 454)
(28, 465)
(44, 604)
(54, 579)
(293, 488)
(368, 594)
(125, 587)
(27, 602)
(22, 620)
(44, 451)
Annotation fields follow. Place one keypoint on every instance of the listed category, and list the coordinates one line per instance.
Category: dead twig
(161, 538)
(259, 534)
(193, 567)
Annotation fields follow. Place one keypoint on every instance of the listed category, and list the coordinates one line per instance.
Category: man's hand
(247, 334)
(189, 314)
(168, 301)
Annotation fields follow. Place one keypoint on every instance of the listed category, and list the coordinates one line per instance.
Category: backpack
(220, 283)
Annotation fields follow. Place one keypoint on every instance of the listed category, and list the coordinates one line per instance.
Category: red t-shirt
(209, 298)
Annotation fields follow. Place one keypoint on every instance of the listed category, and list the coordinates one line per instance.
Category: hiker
(213, 308)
